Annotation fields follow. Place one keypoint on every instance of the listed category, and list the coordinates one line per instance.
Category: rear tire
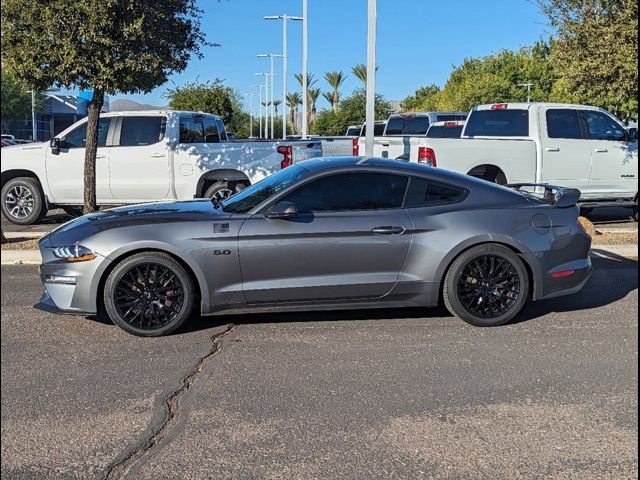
(486, 286)
(23, 201)
(149, 294)
(219, 191)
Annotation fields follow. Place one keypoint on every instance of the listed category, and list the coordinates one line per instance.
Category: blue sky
(418, 40)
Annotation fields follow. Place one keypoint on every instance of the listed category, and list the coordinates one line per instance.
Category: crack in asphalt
(121, 465)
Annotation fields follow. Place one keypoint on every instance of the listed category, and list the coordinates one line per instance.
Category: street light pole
(285, 61)
(34, 126)
(271, 57)
(260, 87)
(305, 68)
(371, 77)
(266, 101)
(528, 86)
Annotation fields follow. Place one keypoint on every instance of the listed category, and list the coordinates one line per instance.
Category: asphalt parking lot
(372, 394)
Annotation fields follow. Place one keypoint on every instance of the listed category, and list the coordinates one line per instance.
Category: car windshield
(253, 196)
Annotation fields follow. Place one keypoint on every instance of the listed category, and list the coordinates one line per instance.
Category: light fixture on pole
(285, 59)
(271, 57)
(305, 68)
(371, 77)
(528, 86)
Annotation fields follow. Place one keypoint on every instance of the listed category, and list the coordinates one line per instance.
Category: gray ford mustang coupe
(330, 233)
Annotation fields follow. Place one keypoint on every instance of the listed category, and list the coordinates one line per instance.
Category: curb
(25, 235)
(21, 257)
(32, 257)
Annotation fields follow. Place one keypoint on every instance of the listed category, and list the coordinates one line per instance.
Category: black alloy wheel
(149, 294)
(487, 286)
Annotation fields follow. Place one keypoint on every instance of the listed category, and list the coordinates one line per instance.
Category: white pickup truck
(570, 145)
(142, 157)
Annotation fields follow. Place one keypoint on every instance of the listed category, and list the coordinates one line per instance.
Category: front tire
(486, 286)
(219, 191)
(23, 201)
(149, 295)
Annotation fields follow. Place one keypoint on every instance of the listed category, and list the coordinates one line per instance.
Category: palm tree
(360, 71)
(314, 94)
(293, 100)
(311, 81)
(276, 106)
(335, 81)
(328, 96)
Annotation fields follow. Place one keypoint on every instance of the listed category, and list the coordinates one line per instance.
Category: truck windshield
(498, 123)
(253, 196)
(409, 125)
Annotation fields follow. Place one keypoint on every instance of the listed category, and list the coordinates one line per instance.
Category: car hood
(153, 213)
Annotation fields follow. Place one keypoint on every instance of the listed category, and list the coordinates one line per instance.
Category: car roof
(318, 165)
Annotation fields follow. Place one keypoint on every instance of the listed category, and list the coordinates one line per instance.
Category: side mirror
(633, 134)
(55, 146)
(283, 210)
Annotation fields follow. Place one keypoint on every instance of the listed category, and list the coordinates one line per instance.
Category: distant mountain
(126, 105)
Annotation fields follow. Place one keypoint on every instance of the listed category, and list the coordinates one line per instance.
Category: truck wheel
(219, 191)
(23, 201)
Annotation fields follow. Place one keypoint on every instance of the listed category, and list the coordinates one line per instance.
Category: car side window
(141, 131)
(427, 193)
(602, 127)
(199, 129)
(77, 138)
(564, 124)
(350, 192)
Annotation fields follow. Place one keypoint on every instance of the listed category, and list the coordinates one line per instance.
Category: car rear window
(427, 193)
(498, 123)
(440, 131)
(199, 129)
(378, 130)
(410, 125)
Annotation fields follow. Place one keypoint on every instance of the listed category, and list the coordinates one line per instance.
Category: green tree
(352, 112)
(422, 100)
(336, 81)
(114, 46)
(212, 97)
(596, 52)
(16, 101)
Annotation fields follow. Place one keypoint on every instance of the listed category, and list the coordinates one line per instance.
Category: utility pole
(285, 60)
(305, 68)
(371, 77)
(528, 86)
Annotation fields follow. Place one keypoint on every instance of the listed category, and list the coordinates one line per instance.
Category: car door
(139, 163)
(349, 241)
(614, 157)
(65, 169)
(566, 156)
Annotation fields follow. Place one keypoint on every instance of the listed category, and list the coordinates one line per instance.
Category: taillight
(356, 147)
(450, 124)
(287, 152)
(427, 155)
(500, 106)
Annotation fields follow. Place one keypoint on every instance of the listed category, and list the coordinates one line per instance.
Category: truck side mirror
(55, 146)
(633, 134)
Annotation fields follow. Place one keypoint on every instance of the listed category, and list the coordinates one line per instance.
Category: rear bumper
(560, 287)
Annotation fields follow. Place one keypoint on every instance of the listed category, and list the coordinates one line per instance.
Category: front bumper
(69, 288)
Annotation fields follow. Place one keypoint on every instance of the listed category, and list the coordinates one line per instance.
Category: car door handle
(602, 150)
(552, 149)
(100, 157)
(158, 155)
(388, 230)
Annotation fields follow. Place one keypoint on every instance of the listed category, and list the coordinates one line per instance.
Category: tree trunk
(93, 127)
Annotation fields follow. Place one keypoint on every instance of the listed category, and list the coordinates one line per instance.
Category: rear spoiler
(559, 197)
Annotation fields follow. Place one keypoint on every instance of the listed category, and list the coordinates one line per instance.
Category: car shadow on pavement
(614, 278)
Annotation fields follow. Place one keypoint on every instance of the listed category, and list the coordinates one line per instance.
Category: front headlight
(75, 254)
